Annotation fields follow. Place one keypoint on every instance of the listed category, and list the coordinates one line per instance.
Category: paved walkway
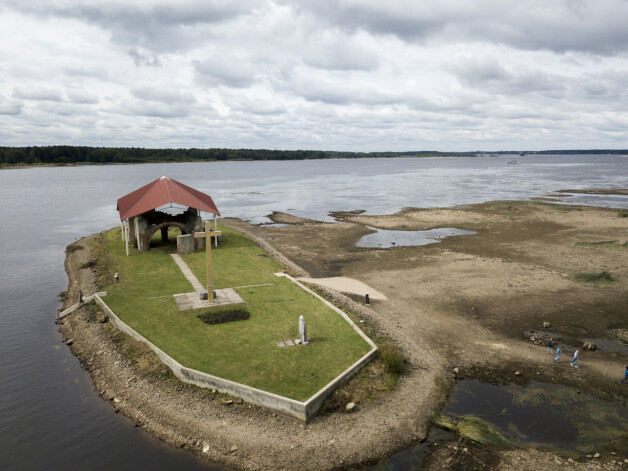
(196, 285)
(193, 300)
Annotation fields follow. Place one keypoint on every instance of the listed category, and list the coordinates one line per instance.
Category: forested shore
(59, 155)
(105, 155)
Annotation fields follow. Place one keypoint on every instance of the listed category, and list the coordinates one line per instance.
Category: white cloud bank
(336, 75)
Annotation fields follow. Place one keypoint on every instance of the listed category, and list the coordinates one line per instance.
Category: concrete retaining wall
(300, 410)
(316, 401)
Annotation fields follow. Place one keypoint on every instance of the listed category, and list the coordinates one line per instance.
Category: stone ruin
(146, 224)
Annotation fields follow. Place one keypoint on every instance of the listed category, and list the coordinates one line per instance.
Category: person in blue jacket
(625, 376)
(574, 363)
(558, 352)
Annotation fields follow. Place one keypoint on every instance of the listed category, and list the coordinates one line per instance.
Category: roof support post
(126, 236)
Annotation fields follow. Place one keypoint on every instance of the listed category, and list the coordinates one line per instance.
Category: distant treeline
(585, 151)
(104, 155)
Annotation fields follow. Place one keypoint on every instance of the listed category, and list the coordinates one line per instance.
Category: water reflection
(542, 414)
(386, 239)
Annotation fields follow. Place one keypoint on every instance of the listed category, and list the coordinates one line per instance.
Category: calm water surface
(50, 417)
(385, 239)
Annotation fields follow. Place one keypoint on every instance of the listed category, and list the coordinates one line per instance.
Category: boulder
(546, 325)
(350, 407)
(622, 334)
(589, 346)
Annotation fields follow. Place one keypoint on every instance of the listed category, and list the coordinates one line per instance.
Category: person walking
(625, 376)
(574, 363)
(558, 352)
(550, 344)
(117, 277)
(80, 297)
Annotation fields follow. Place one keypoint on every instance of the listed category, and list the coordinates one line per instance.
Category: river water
(50, 417)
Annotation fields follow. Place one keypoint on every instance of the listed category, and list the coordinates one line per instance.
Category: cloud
(334, 51)
(157, 26)
(141, 59)
(10, 106)
(37, 93)
(229, 70)
(258, 105)
(491, 76)
(560, 25)
(342, 74)
(162, 95)
(94, 71)
(65, 109)
(82, 96)
(155, 110)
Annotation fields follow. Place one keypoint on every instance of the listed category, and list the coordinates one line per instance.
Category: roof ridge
(167, 183)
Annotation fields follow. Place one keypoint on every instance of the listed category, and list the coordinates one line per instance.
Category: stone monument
(303, 338)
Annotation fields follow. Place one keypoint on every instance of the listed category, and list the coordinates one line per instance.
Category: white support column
(122, 229)
(126, 236)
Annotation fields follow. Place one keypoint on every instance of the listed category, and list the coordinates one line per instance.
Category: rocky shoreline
(227, 431)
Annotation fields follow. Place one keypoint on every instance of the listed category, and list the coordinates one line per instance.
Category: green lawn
(243, 351)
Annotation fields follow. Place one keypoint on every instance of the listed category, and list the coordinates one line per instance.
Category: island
(471, 307)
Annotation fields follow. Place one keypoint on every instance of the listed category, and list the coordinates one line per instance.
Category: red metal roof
(162, 191)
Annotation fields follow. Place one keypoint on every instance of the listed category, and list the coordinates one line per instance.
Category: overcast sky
(360, 75)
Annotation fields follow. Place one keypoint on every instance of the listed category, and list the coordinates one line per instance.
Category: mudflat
(466, 302)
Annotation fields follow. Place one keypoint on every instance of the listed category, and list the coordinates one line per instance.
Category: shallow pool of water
(386, 239)
(542, 414)
(413, 457)
(539, 414)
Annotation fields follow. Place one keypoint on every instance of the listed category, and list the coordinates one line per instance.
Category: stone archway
(146, 224)
(163, 227)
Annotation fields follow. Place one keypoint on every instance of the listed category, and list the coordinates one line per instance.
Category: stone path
(198, 287)
(193, 300)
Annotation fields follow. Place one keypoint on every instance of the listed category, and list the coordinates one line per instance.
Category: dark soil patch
(221, 317)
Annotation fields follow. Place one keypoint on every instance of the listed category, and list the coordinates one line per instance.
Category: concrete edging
(300, 410)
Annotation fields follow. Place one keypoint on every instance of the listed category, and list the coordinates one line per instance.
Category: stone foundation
(185, 243)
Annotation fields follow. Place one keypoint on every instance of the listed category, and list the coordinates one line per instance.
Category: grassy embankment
(243, 351)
